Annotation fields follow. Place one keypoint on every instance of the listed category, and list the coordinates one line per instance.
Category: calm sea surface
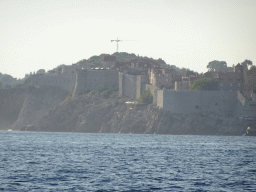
(32, 161)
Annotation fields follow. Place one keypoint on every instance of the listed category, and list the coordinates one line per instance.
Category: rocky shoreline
(92, 113)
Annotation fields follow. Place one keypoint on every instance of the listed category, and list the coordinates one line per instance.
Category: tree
(190, 73)
(161, 62)
(57, 69)
(245, 63)
(146, 97)
(205, 84)
(185, 71)
(182, 71)
(217, 65)
(40, 71)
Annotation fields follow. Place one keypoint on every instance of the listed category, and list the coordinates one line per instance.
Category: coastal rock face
(93, 114)
(37, 103)
(11, 101)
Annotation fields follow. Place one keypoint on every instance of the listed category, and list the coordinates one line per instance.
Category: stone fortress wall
(65, 81)
(222, 103)
(182, 85)
(246, 107)
(226, 103)
(132, 85)
(94, 80)
(193, 102)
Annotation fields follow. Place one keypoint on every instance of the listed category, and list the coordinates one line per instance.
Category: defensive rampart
(94, 80)
(66, 82)
(246, 107)
(132, 85)
(223, 103)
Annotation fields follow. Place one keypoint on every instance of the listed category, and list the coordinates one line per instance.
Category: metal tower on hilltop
(117, 40)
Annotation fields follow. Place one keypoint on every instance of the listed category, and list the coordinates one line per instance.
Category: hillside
(120, 57)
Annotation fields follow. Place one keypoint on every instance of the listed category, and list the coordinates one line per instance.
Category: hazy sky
(42, 34)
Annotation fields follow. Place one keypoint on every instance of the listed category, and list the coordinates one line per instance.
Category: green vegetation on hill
(7, 81)
(123, 56)
(217, 65)
(120, 56)
(185, 71)
(205, 84)
(246, 63)
(57, 69)
(146, 97)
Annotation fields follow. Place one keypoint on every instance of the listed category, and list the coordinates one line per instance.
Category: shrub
(106, 94)
(205, 84)
(146, 97)
(67, 99)
(91, 92)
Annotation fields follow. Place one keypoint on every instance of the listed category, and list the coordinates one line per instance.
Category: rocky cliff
(11, 101)
(37, 103)
(94, 114)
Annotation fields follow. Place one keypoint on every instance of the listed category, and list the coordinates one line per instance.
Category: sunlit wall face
(43, 34)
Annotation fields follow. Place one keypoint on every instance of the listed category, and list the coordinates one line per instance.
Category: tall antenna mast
(117, 40)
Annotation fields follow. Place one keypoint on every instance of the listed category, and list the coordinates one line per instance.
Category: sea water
(40, 161)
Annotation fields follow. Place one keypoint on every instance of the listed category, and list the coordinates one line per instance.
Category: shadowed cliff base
(37, 103)
(11, 101)
(92, 113)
